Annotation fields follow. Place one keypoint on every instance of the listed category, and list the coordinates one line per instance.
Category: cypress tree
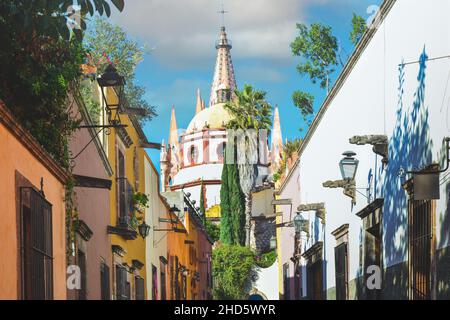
(226, 227)
(237, 204)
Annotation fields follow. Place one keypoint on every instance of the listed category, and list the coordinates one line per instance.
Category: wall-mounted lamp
(144, 229)
(174, 209)
(348, 166)
(112, 79)
(301, 224)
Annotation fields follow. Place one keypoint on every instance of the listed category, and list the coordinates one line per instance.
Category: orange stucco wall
(14, 156)
(176, 246)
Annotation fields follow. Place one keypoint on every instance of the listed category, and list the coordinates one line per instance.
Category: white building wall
(266, 284)
(156, 242)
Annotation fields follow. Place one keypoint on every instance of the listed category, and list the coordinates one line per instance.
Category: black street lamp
(348, 166)
(112, 79)
(299, 223)
(144, 230)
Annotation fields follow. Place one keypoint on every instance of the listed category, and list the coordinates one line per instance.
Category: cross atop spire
(222, 12)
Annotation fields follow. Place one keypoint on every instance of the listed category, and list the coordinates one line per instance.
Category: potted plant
(140, 201)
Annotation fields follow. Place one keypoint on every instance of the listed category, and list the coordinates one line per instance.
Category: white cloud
(183, 32)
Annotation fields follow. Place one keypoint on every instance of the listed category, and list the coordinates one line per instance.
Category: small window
(140, 288)
(104, 281)
(193, 155)
(341, 269)
(82, 293)
(221, 151)
(122, 286)
(154, 283)
(37, 246)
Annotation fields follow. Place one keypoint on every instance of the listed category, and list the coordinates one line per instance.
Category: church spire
(173, 135)
(224, 82)
(277, 142)
(174, 145)
(199, 105)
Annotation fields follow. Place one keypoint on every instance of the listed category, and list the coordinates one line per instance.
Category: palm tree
(249, 110)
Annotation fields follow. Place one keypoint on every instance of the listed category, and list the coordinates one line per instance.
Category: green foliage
(266, 260)
(318, 48)
(289, 149)
(107, 43)
(232, 207)
(305, 102)
(92, 105)
(40, 61)
(226, 224)
(359, 26)
(232, 269)
(212, 230)
(237, 205)
(250, 110)
(141, 200)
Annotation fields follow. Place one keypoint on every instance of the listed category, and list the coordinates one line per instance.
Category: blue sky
(181, 35)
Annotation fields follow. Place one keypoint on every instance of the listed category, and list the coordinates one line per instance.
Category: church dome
(214, 117)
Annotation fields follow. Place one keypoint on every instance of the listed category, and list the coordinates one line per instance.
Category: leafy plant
(232, 270)
(305, 102)
(250, 110)
(266, 260)
(359, 26)
(212, 230)
(318, 47)
(107, 43)
(140, 200)
(232, 203)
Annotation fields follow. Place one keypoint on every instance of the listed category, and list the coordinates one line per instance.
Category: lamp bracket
(349, 187)
(379, 142)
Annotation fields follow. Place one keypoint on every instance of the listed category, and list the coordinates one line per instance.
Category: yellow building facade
(126, 154)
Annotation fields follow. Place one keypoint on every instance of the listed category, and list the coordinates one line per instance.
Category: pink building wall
(93, 208)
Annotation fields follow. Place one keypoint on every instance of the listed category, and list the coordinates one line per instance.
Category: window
(370, 248)
(127, 291)
(104, 281)
(121, 182)
(341, 271)
(421, 225)
(286, 282)
(122, 286)
(154, 283)
(36, 246)
(314, 281)
(82, 293)
(314, 272)
(221, 151)
(140, 288)
(193, 155)
(341, 261)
